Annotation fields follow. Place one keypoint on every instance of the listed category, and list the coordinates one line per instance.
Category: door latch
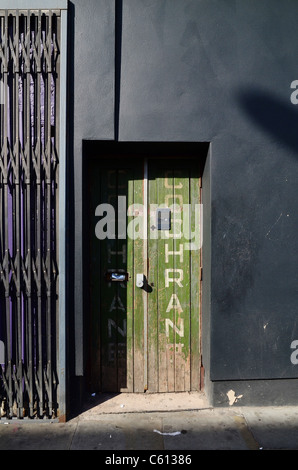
(140, 280)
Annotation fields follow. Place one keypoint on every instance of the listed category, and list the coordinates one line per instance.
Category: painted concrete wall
(218, 71)
(91, 117)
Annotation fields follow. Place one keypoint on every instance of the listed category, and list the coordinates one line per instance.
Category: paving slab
(273, 427)
(118, 432)
(36, 435)
(206, 429)
(108, 403)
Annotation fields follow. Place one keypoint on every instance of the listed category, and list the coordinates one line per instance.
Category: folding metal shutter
(29, 67)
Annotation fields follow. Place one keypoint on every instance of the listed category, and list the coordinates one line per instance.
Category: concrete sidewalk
(161, 422)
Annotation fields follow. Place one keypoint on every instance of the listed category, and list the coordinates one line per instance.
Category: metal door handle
(116, 276)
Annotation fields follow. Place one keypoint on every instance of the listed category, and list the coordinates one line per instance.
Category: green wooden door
(174, 269)
(145, 276)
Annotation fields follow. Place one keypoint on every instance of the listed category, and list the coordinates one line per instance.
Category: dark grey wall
(218, 71)
(91, 115)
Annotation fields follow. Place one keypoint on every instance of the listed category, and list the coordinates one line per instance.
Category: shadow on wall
(279, 121)
(273, 115)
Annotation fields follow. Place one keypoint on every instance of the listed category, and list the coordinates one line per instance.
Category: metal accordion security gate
(29, 163)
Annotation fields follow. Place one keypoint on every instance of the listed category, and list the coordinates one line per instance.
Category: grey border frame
(62, 373)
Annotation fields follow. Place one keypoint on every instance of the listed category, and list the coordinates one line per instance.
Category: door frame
(96, 150)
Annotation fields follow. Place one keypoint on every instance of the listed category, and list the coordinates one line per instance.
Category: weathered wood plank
(139, 268)
(124, 175)
(195, 291)
(95, 280)
(130, 295)
(109, 295)
(181, 304)
(165, 288)
(153, 255)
